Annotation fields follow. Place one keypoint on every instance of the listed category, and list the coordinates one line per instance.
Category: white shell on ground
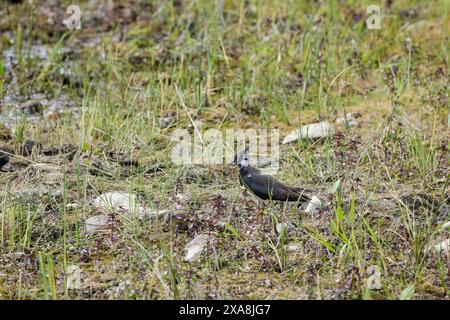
(126, 203)
(312, 131)
(195, 247)
(314, 205)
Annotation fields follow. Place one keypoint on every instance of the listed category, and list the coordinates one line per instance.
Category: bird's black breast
(261, 185)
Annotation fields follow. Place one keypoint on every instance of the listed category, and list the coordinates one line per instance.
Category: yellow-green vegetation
(90, 111)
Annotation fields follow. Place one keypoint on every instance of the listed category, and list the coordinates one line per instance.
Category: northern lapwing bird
(266, 187)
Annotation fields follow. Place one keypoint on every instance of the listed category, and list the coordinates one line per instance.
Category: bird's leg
(247, 205)
(258, 213)
(245, 199)
(275, 217)
(257, 209)
(260, 217)
(281, 206)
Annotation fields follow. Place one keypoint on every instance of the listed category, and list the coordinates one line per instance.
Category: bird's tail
(303, 194)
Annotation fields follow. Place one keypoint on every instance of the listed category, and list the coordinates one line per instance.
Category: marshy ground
(90, 111)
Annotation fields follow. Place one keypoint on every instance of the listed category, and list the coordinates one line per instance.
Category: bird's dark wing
(298, 194)
(267, 187)
(283, 192)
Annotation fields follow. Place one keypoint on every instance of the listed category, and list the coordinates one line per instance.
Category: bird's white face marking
(242, 159)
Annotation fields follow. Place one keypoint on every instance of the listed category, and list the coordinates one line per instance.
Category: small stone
(73, 277)
(5, 133)
(443, 247)
(349, 119)
(27, 147)
(374, 279)
(153, 213)
(95, 223)
(267, 161)
(167, 120)
(72, 206)
(292, 247)
(50, 151)
(353, 123)
(14, 166)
